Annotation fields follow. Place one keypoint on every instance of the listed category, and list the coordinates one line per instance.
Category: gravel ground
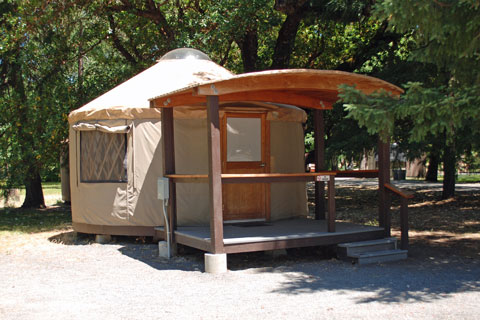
(54, 275)
(49, 276)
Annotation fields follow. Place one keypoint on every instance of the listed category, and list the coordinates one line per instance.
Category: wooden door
(245, 149)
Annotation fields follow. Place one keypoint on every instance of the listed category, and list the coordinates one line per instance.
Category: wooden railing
(252, 177)
(315, 176)
(404, 196)
(324, 176)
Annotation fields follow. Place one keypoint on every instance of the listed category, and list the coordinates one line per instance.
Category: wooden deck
(259, 236)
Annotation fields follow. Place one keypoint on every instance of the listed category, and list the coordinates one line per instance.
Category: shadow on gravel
(429, 274)
(190, 259)
(72, 238)
(138, 248)
(148, 254)
(418, 279)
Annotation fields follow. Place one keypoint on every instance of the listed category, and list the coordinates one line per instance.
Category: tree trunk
(33, 183)
(249, 48)
(449, 169)
(34, 193)
(286, 36)
(432, 170)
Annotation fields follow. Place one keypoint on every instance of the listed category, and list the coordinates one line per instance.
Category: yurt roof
(177, 69)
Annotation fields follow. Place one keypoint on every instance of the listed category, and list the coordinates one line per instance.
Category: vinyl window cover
(103, 157)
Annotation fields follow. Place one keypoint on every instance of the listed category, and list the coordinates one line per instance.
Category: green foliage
(446, 32)
(58, 55)
(346, 142)
(375, 111)
(440, 107)
(433, 111)
(45, 74)
(440, 110)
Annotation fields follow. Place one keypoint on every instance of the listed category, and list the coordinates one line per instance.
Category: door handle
(262, 165)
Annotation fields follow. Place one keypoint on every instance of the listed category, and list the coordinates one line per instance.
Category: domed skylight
(185, 54)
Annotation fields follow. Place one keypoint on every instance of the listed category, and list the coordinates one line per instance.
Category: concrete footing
(215, 263)
(103, 238)
(163, 250)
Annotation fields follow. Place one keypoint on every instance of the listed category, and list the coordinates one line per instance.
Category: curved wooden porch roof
(315, 89)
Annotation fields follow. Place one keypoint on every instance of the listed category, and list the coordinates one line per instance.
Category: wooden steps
(373, 251)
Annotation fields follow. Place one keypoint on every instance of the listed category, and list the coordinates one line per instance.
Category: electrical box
(162, 189)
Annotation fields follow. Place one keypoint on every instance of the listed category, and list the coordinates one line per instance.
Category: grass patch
(470, 178)
(34, 220)
(51, 188)
(52, 192)
(17, 220)
(464, 178)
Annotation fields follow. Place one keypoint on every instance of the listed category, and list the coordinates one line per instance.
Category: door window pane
(244, 139)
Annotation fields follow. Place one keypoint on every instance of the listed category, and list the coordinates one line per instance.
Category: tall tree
(40, 51)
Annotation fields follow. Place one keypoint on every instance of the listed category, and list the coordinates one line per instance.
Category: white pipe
(167, 227)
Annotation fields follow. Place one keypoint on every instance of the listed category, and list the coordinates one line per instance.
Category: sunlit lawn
(463, 178)
(13, 219)
(468, 178)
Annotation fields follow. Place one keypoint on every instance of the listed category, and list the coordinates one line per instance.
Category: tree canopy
(57, 55)
(444, 106)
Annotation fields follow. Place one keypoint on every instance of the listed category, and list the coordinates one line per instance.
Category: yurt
(116, 153)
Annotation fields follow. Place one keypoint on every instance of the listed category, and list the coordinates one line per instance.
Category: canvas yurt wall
(286, 156)
(116, 152)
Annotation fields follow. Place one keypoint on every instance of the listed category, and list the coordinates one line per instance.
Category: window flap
(83, 126)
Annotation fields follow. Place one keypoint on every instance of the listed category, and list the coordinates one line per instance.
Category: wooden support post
(169, 168)
(404, 223)
(383, 178)
(319, 133)
(331, 204)
(215, 175)
(388, 214)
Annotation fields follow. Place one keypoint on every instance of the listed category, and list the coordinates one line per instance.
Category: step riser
(380, 259)
(349, 251)
(373, 251)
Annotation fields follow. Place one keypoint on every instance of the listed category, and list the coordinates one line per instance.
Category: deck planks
(276, 231)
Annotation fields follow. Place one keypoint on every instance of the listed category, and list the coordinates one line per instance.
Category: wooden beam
(404, 223)
(197, 243)
(114, 230)
(168, 141)
(189, 97)
(215, 175)
(284, 96)
(331, 204)
(319, 134)
(397, 191)
(169, 168)
(384, 178)
(404, 196)
(252, 177)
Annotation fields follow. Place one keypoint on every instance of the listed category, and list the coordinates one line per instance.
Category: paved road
(409, 184)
